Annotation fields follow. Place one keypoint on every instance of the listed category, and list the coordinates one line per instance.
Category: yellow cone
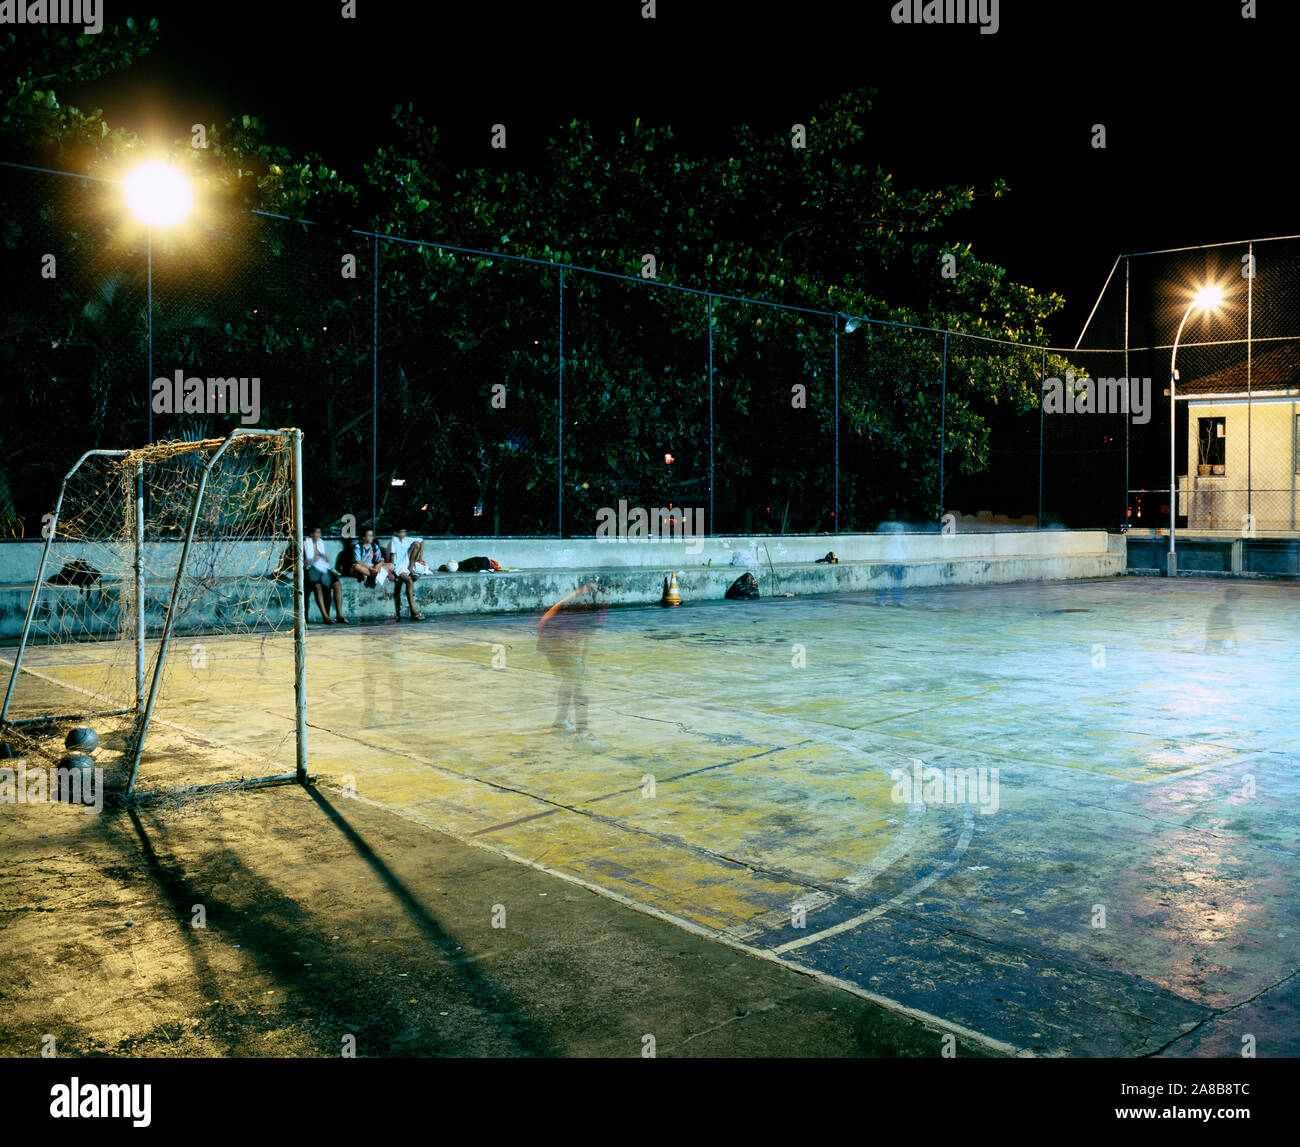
(671, 595)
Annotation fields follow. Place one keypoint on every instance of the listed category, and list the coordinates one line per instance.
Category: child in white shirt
(320, 577)
(405, 554)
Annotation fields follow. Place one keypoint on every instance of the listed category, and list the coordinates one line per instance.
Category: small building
(1243, 444)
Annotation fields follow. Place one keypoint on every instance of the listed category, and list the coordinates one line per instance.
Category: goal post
(50, 530)
(177, 538)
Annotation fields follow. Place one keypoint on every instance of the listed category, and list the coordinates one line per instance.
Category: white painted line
(927, 1018)
(968, 830)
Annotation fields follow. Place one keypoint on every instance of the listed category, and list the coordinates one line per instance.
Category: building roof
(1273, 366)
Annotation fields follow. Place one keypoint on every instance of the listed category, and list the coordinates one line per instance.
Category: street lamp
(1207, 299)
(158, 196)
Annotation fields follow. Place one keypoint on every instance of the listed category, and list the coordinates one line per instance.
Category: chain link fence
(469, 393)
(1224, 440)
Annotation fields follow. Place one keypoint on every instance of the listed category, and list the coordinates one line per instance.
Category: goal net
(164, 617)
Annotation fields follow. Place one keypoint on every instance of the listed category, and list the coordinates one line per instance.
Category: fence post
(1128, 418)
(711, 531)
(943, 412)
(374, 391)
(559, 446)
(1042, 382)
(1250, 394)
(836, 328)
(149, 320)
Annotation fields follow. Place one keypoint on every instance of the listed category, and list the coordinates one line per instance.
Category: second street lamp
(1207, 299)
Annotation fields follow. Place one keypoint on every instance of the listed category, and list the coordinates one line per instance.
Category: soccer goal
(167, 615)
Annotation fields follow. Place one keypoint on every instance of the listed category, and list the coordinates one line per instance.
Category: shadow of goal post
(144, 701)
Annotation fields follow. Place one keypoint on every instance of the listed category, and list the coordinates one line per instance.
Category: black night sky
(1193, 96)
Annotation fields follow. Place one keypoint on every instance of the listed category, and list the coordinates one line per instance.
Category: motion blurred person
(563, 635)
(890, 592)
(1220, 624)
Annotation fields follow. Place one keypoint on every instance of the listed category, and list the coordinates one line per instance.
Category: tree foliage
(819, 227)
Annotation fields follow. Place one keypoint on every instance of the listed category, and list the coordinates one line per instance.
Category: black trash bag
(744, 588)
(77, 572)
(475, 565)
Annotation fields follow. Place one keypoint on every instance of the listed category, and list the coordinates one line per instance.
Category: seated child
(368, 562)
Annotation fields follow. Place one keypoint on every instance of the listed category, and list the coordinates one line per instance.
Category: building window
(1211, 443)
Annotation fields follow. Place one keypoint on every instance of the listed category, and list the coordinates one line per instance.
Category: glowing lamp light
(668, 459)
(398, 482)
(1208, 298)
(158, 194)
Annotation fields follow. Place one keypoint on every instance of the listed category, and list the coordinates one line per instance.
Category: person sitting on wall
(367, 561)
(403, 554)
(320, 577)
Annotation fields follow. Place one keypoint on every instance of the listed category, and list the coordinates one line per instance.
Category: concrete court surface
(1120, 879)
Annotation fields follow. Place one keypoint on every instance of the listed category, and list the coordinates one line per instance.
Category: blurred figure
(379, 659)
(1220, 625)
(563, 635)
(895, 554)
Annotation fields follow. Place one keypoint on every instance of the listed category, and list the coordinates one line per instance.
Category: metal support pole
(1128, 478)
(1250, 403)
(1171, 562)
(559, 448)
(1171, 566)
(710, 324)
(149, 327)
(299, 615)
(374, 399)
(1042, 383)
(943, 410)
(836, 320)
(40, 574)
(139, 584)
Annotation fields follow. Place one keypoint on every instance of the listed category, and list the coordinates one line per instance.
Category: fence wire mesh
(475, 394)
(1235, 401)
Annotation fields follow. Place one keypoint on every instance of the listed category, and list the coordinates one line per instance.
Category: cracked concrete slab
(1127, 886)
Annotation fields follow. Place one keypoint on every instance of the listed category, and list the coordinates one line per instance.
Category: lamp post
(158, 196)
(1206, 299)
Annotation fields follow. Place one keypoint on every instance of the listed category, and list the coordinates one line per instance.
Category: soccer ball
(452, 567)
(77, 761)
(82, 739)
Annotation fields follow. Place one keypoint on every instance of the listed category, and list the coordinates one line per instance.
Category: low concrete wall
(1215, 556)
(634, 573)
(19, 560)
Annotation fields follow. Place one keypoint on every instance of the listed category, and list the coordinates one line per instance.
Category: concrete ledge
(536, 590)
(19, 560)
(64, 609)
